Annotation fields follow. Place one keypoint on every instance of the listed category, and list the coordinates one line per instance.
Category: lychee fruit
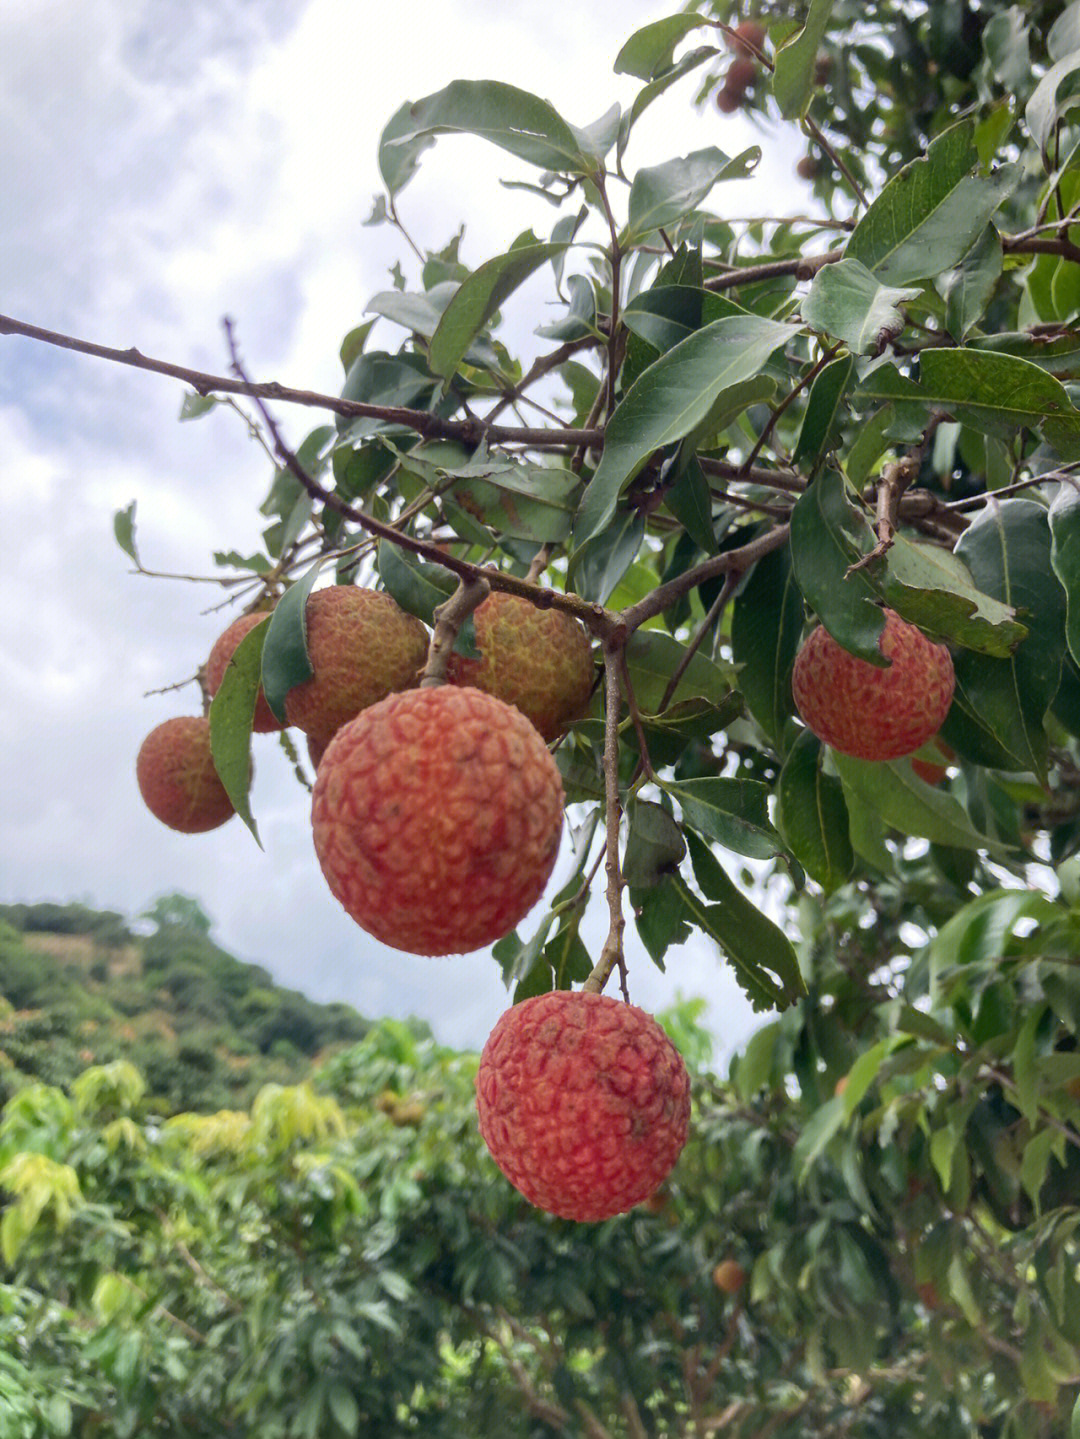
(747, 38)
(741, 74)
(362, 646)
(437, 815)
(728, 101)
(729, 1276)
(265, 720)
(583, 1102)
(536, 659)
(872, 713)
(177, 779)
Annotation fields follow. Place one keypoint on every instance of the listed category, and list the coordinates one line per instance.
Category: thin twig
(612, 952)
(449, 618)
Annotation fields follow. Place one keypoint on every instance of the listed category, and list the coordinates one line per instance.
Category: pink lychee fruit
(583, 1102)
(872, 713)
(537, 659)
(177, 779)
(436, 816)
(362, 646)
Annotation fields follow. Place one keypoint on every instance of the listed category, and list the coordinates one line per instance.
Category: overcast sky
(164, 163)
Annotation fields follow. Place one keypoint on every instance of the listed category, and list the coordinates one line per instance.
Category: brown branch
(895, 478)
(716, 609)
(803, 267)
(814, 130)
(612, 952)
(731, 561)
(449, 618)
(423, 422)
(790, 481)
(807, 379)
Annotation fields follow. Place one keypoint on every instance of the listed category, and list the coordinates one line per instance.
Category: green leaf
(416, 585)
(597, 566)
(124, 530)
(1065, 557)
(343, 1407)
(530, 502)
(793, 78)
(824, 412)
(513, 119)
(813, 817)
(285, 660)
(651, 50)
(761, 955)
(194, 406)
(231, 715)
(850, 303)
(662, 194)
(827, 536)
(766, 627)
(933, 588)
(669, 399)
(654, 845)
(931, 212)
(690, 502)
(995, 394)
(908, 805)
(665, 314)
(970, 287)
(648, 93)
(580, 317)
(819, 1129)
(1007, 549)
(652, 657)
(734, 812)
(1048, 104)
(1005, 44)
(479, 297)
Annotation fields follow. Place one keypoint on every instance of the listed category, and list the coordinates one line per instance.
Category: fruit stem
(449, 618)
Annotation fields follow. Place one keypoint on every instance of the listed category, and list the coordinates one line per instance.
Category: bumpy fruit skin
(872, 713)
(177, 778)
(538, 660)
(265, 720)
(583, 1102)
(437, 815)
(362, 647)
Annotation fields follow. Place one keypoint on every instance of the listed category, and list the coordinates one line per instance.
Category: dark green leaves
(477, 300)
(654, 845)
(827, 536)
(285, 660)
(812, 815)
(793, 78)
(931, 213)
(1065, 553)
(733, 812)
(766, 626)
(1008, 551)
(669, 399)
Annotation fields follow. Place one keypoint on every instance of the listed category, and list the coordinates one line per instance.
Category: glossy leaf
(598, 565)
(733, 812)
(231, 714)
(124, 530)
(793, 78)
(812, 816)
(930, 214)
(656, 87)
(669, 399)
(933, 588)
(662, 194)
(827, 536)
(850, 303)
(417, 585)
(652, 658)
(479, 297)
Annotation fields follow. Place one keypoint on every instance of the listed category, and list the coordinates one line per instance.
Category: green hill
(80, 986)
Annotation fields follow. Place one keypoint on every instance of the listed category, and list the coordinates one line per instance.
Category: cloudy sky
(164, 163)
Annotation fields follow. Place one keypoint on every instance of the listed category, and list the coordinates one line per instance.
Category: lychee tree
(852, 416)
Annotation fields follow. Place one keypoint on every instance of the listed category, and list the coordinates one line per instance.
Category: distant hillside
(80, 986)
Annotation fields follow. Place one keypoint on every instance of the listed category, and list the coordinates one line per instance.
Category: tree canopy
(731, 428)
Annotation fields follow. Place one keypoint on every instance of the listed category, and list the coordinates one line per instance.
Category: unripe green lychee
(536, 659)
(362, 646)
(873, 713)
(436, 816)
(177, 779)
(265, 720)
(583, 1102)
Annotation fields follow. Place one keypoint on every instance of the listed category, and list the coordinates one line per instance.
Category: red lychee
(742, 72)
(583, 1102)
(177, 778)
(265, 720)
(536, 659)
(437, 815)
(873, 713)
(728, 101)
(362, 646)
(729, 1276)
(747, 38)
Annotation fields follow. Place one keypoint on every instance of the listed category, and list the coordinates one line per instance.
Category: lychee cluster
(871, 712)
(746, 41)
(583, 1102)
